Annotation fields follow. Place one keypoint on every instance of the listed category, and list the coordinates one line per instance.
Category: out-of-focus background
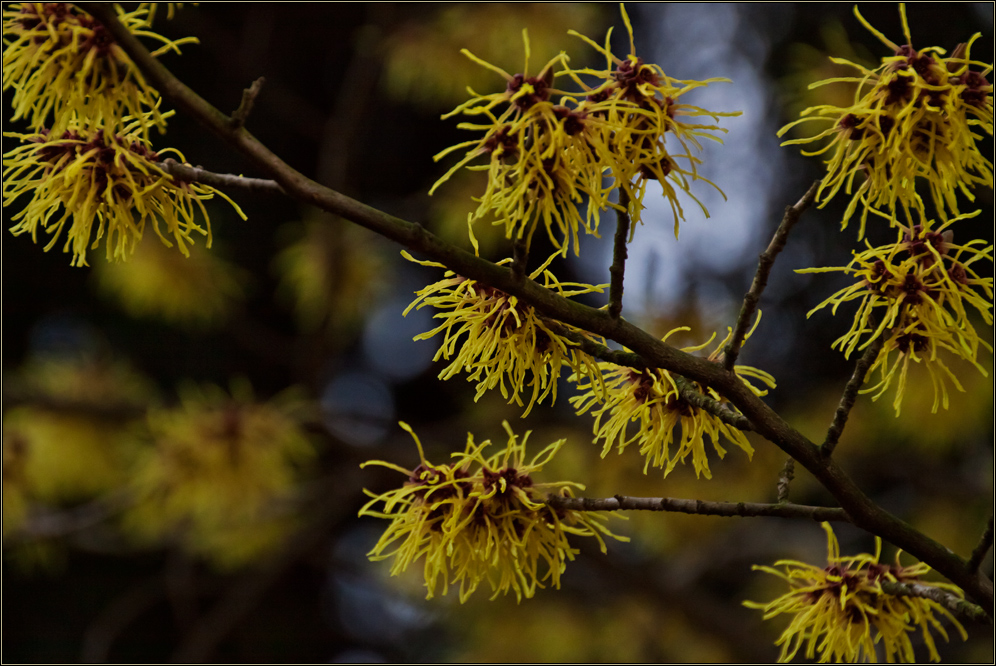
(182, 437)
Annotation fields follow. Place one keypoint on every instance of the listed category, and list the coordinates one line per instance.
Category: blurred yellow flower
(481, 518)
(493, 337)
(69, 441)
(841, 610)
(618, 396)
(221, 474)
(331, 273)
(197, 291)
(108, 178)
(62, 64)
(918, 115)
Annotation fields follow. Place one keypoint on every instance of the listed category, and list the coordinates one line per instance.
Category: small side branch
(764, 264)
(520, 257)
(784, 479)
(953, 603)
(850, 395)
(619, 254)
(189, 174)
(241, 114)
(53, 524)
(979, 553)
(699, 507)
(720, 410)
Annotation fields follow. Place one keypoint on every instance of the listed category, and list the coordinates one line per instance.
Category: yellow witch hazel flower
(543, 160)
(842, 612)
(495, 338)
(63, 64)
(221, 475)
(104, 178)
(634, 110)
(918, 115)
(546, 159)
(651, 398)
(921, 294)
(481, 518)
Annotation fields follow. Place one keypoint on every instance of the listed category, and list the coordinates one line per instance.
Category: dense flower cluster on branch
(915, 125)
(88, 153)
(111, 181)
(920, 293)
(496, 339)
(842, 612)
(481, 518)
(918, 115)
(63, 65)
(546, 158)
(651, 399)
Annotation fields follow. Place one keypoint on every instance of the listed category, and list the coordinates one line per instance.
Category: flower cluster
(546, 158)
(495, 338)
(842, 611)
(92, 178)
(220, 475)
(918, 293)
(917, 116)
(481, 518)
(64, 65)
(88, 153)
(653, 399)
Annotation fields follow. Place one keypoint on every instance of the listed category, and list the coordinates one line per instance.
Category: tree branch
(189, 174)
(47, 524)
(863, 511)
(951, 602)
(241, 114)
(764, 265)
(619, 254)
(979, 552)
(699, 507)
(784, 479)
(850, 395)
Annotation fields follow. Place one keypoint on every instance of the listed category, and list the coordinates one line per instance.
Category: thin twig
(48, 524)
(764, 264)
(979, 553)
(850, 395)
(190, 174)
(784, 479)
(700, 507)
(520, 257)
(721, 410)
(864, 512)
(619, 254)
(100, 635)
(241, 114)
(949, 601)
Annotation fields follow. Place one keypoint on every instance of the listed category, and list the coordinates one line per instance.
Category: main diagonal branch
(862, 510)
